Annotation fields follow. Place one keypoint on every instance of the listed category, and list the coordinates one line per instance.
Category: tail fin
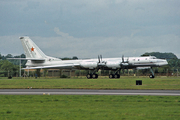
(31, 49)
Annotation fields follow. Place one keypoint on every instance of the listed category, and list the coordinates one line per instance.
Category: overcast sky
(88, 28)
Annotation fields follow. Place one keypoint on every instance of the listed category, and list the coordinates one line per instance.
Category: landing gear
(151, 75)
(90, 76)
(114, 76)
(94, 76)
(111, 76)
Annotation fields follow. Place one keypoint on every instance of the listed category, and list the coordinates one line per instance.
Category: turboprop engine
(113, 65)
(89, 65)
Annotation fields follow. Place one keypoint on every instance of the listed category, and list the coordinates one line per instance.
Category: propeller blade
(122, 58)
(99, 58)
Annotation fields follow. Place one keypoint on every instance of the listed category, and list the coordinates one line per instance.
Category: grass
(89, 107)
(159, 83)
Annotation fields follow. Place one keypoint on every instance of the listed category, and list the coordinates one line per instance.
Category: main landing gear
(114, 76)
(90, 76)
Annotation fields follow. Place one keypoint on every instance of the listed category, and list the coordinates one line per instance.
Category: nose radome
(164, 62)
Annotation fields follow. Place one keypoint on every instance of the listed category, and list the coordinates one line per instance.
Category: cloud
(58, 32)
(87, 28)
(84, 18)
(91, 47)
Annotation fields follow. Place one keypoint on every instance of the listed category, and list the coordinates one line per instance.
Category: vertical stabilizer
(31, 49)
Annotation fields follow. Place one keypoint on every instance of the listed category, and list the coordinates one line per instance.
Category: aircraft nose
(164, 62)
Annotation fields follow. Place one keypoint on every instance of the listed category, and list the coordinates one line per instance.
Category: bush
(1, 75)
(64, 76)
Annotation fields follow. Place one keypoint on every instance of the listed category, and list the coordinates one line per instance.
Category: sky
(88, 28)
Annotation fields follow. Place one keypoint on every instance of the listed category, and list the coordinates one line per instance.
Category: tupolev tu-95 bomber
(36, 59)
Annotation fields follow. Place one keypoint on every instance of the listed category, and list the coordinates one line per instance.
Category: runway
(87, 92)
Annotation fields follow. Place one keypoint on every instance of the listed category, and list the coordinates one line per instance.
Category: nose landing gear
(151, 75)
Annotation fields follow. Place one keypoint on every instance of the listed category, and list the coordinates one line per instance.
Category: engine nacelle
(90, 65)
(113, 65)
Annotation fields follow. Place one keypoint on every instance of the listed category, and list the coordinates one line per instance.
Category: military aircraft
(36, 59)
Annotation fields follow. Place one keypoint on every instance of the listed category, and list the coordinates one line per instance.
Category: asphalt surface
(87, 92)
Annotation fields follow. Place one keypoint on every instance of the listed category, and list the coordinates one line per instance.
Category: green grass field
(90, 107)
(159, 83)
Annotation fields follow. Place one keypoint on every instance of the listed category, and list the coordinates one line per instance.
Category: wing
(64, 66)
(35, 59)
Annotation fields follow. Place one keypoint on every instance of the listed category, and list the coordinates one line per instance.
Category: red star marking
(32, 49)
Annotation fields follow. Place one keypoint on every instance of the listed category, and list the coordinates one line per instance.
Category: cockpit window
(153, 57)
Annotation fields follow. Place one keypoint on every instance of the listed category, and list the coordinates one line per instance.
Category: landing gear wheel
(111, 76)
(89, 76)
(95, 76)
(116, 76)
(151, 76)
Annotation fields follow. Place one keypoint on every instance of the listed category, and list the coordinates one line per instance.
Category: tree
(9, 56)
(174, 64)
(16, 62)
(75, 58)
(66, 58)
(161, 55)
(7, 67)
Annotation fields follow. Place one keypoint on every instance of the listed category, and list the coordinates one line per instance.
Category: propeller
(124, 63)
(100, 61)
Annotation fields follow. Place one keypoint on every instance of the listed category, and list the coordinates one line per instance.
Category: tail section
(31, 49)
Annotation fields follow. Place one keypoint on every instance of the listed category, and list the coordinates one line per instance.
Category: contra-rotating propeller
(123, 64)
(100, 61)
